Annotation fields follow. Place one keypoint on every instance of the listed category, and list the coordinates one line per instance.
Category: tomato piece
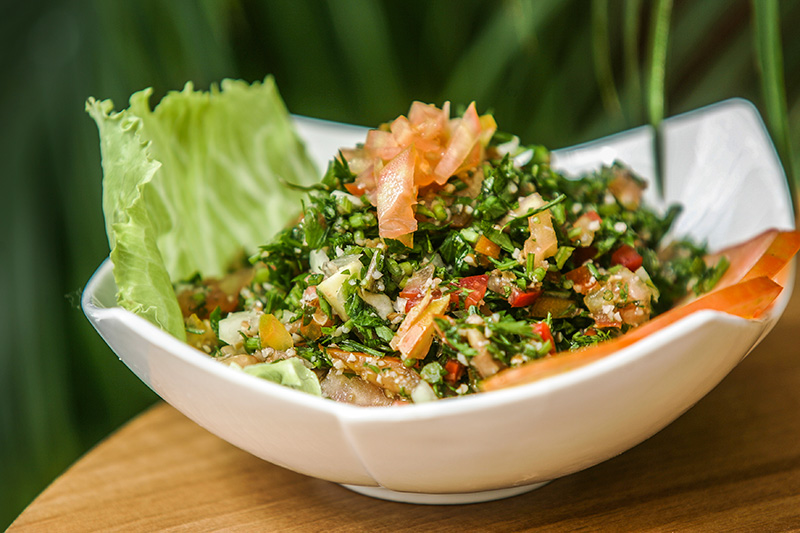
(310, 296)
(543, 331)
(626, 189)
(454, 371)
(412, 299)
(414, 295)
(627, 256)
(520, 298)
(213, 293)
(415, 334)
(582, 279)
(429, 121)
(592, 215)
(588, 223)
(354, 189)
(387, 145)
(476, 285)
(542, 242)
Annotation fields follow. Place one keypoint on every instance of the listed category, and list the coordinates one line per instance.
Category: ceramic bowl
(720, 164)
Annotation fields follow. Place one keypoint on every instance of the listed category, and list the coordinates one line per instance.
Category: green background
(556, 72)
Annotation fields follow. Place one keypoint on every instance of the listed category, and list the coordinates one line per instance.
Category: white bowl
(720, 164)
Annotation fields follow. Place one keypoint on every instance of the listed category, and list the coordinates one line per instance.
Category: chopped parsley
(510, 263)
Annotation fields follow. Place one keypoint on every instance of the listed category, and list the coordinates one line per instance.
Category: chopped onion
(355, 200)
(423, 393)
(508, 147)
(523, 158)
(317, 258)
(380, 302)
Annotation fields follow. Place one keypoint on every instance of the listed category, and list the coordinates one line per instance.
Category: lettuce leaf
(289, 373)
(193, 183)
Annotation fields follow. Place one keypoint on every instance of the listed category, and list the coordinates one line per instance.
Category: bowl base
(442, 499)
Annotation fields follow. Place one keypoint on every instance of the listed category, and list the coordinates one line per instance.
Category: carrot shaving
(391, 177)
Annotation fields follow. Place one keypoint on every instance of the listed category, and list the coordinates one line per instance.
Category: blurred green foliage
(556, 72)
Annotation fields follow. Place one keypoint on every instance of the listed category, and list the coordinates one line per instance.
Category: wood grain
(731, 463)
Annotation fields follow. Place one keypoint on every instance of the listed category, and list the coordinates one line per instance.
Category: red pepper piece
(626, 256)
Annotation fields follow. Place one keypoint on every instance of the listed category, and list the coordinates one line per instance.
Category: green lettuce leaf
(288, 372)
(191, 184)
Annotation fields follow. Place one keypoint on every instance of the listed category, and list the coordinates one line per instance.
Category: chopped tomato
(623, 298)
(416, 287)
(626, 189)
(543, 331)
(593, 216)
(626, 256)
(582, 279)
(412, 300)
(354, 189)
(213, 293)
(310, 296)
(454, 371)
(588, 224)
(476, 287)
(415, 296)
(542, 242)
(520, 298)
(385, 144)
(415, 334)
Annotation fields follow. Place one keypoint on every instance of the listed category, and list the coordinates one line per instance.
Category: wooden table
(731, 463)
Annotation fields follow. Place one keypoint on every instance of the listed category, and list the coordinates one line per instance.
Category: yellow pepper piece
(273, 334)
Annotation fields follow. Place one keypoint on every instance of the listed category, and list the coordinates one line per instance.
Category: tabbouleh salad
(439, 253)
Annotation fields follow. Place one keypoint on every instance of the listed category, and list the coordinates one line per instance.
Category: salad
(438, 258)
(437, 254)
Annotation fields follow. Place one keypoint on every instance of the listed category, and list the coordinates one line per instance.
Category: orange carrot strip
(785, 245)
(742, 257)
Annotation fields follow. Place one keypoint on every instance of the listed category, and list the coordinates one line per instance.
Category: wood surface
(732, 463)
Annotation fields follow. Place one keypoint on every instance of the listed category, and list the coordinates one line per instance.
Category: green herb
(432, 372)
